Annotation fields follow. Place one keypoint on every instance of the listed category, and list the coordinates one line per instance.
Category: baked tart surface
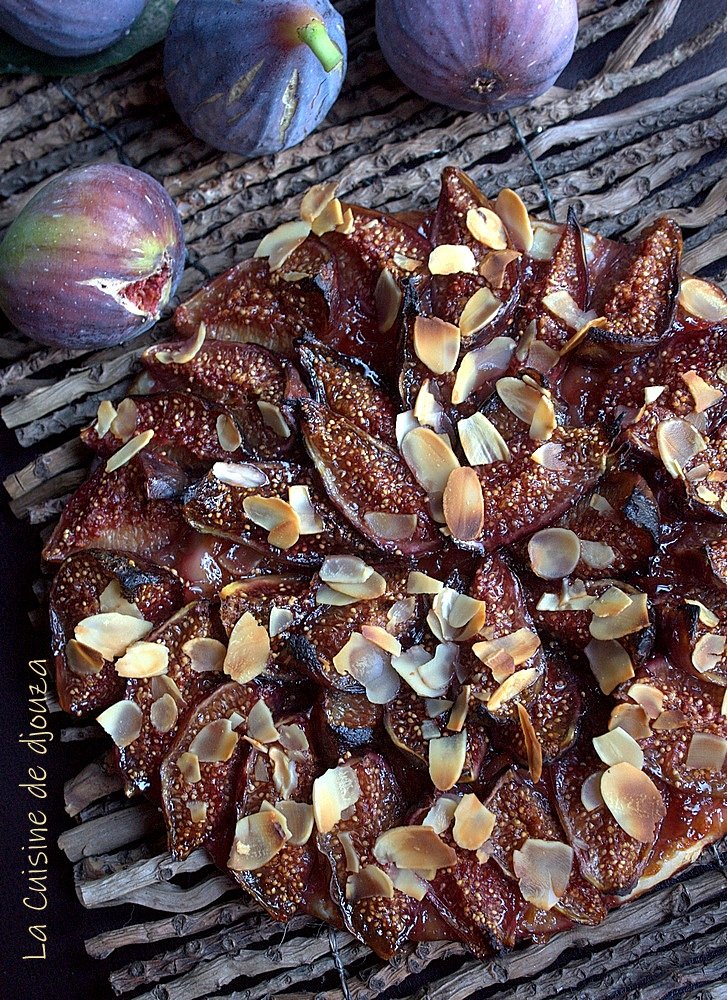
(400, 577)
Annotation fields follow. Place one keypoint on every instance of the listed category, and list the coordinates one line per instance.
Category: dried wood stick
(47, 511)
(108, 832)
(694, 216)
(173, 899)
(74, 734)
(653, 27)
(67, 456)
(107, 890)
(97, 779)
(69, 416)
(705, 253)
(601, 22)
(58, 486)
(32, 363)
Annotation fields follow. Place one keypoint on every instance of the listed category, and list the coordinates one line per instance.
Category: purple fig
(70, 28)
(92, 259)
(477, 55)
(254, 76)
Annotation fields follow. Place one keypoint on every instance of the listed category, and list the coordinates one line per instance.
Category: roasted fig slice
(280, 772)
(348, 720)
(92, 583)
(369, 483)
(717, 556)
(694, 632)
(255, 385)
(166, 688)
(190, 775)
(263, 597)
(383, 923)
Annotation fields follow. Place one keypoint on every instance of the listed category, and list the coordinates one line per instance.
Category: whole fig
(68, 27)
(92, 259)
(254, 76)
(477, 55)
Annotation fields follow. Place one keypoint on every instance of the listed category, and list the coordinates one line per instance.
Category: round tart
(400, 577)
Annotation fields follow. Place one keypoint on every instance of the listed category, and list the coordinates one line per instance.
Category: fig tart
(400, 577)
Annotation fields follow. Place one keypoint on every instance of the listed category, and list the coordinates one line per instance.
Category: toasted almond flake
(299, 818)
(105, 416)
(188, 764)
(316, 199)
(617, 746)
(479, 310)
(285, 777)
(380, 637)
(329, 219)
(293, 738)
(215, 742)
(369, 664)
(678, 442)
(276, 516)
(327, 595)
(632, 618)
(420, 583)
(436, 343)
(512, 687)
(519, 397)
(707, 752)
(548, 456)
(82, 660)
(723, 710)
(143, 659)
(554, 553)
(260, 723)
(241, 474)
(458, 715)
(672, 719)
(371, 587)
(706, 616)
(481, 441)
(591, 797)
(279, 244)
(633, 719)
(391, 527)
(163, 713)
(206, 655)
(708, 651)
(349, 223)
(428, 411)
(258, 838)
(187, 350)
(124, 423)
(299, 499)
(336, 790)
(610, 663)
(703, 299)
(404, 263)
(544, 420)
(487, 228)
(703, 393)
(261, 770)
(437, 706)
(532, 744)
(563, 306)
(611, 602)
(481, 365)
(273, 419)
(511, 209)
(198, 811)
(633, 800)
(409, 883)
(597, 555)
(451, 259)
(473, 823)
(465, 610)
(368, 883)
(599, 323)
(353, 861)
(600, 504)
(248, 650)
(387, 298)
(280, 619)
(650, 698)
(345, 569)
(430, 458)
(541, 357)
(543, 869)
(112, 598)
(415, 848)
(428, 675)
(708, 496)
(441, 814)
(494, 267)
(546, 236)
(227, 433)
(446, 760)
(122, 721)
(519, 646)
(129, 450)
(164, 684)
(110, 633)
(464, 505)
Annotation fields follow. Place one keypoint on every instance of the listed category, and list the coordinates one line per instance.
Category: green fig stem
(315, 35)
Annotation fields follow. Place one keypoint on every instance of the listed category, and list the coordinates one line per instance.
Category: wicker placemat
(620, 156)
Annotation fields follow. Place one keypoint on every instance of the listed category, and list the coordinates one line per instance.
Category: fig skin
(240, 77)
(92, 259)
(477, 55)
(70, 28)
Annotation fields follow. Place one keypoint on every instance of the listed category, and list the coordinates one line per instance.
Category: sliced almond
(206, 655)
(610, 663)
(105, 416)
(633, 800)
(460, 709)
(481, 441)
(110, 633)
(511, 209)
(420, 583)
(409, 883)
(143, 659)
(391, 527)
(276, 516)
(703, 394)
(436, 343)
(112, 598)
(187, 350)
(473, 823)
(703, 299)
(487, 228)
(129, 450)
(260, 723)
(279, 244)
(708, 651)
(81, 660)
(549, 457)
(293, 738)
(532, 744)
(164, 713)
(241, 474)
(631, 718)
(428, 675)
(328, 596)
(591, 797)
(316, 199)
(563, 306)
(351, 577)
(545, 239)
(122, 721)
(370, 665)
(707, 752)
(380, 637)
(597, 555)
(465, 609)
(258, 838)
(368, 883)
(464, 505)
(678, 442)
(650, 698)
(671, 719)
(285, 776)
(554, 553)
(430, 458)
(512, 687)
(633, 618)
(441, 814)
(280, 619)
(437, 706)
(617, 746)
(299, 499)
(329, 219)
(611, 602)
(333, 792)
(248, 650)
(198, 811)
(428, 411)
(227, 433)
(481, 365)
(494, 267)
(544, 420)
(215, 743)
(299, 817)
(273, 419)
(387, 298)
(353, 861)
(451, 259)
(416, 848)
(163, 684)
(188, 764)
(124, 423)
(479, 310)
(543, 869)
(446, 760)
(518, 646)
(519, 397)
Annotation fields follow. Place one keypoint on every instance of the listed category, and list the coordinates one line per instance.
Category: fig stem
(315, 35)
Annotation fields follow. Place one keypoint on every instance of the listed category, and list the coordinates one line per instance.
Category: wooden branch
(73, 415)
(49, 490)
(97, 779)
(592, 27)
(69, 455)
(705, 253)
(109, 832)
(141, 875)
(173, 899)
(653, 27)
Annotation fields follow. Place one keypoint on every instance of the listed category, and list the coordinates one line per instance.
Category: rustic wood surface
(599, 144)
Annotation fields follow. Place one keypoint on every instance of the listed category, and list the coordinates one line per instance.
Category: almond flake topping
(543, 869)
(464, 505)
(368, 883)
(487, 228)
(329, 219)
(430, 458)
(248, 650)
(280, 619)
(105, 416)
(706, 616)
(650, 698)
(512, 687)
(206, 655)
(333, 792)
(122, 721)
(388, 298)
(597, 555)
(610, 663)
(187, 350)
(110, 633)
(370, 664)
(353, 861)
(441, 814)
(260, 723)
(707, 752)
(632, 719)
(316, 199)
(428, 675)
(417, 848)
(227, 433)
(299, 817)
(447, 756)
(591, 797)
(276, 516)
(215, 743)
(678, 442)
(617, 746)
(273, 418)
(129, 450)
(633, 800)
(708, 651)
(703, 394)
(562, 305)
(380, 637)
(143, 659)
(81, 660)
(703, 299)
(112, 598)
(279, 244)
(481, 365)
(188, 764)
(613, 620)
(420, 583)
(241, 474)
(494, 267)
(554, 553)
(124, 423)
(481, 441)
(460, 709)
(519, 397)
(352, 577)
(518, 646)
(391, 527)
(409, 883)
(285, 778)
(258, 838)
(533, 747)
(452, 259)
(436, 343)
(479, 310)
(473, 823)
(511, 209)
(299, 499)
(163, 713)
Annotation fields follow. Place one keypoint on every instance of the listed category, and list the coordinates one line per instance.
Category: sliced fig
(348, 720)
(284, 884)
(717, 555)
(141, 588)
(139, 761)
(706, 478)
(261, 596)
(693, 627)
(216, 783)
(381, 483)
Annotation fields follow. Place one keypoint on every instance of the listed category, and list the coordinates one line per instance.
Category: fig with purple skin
(92, 259)
(477, 55)
(68, 27)
(254, 76)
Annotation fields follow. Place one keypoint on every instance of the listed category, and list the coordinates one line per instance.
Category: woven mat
(642, 135)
